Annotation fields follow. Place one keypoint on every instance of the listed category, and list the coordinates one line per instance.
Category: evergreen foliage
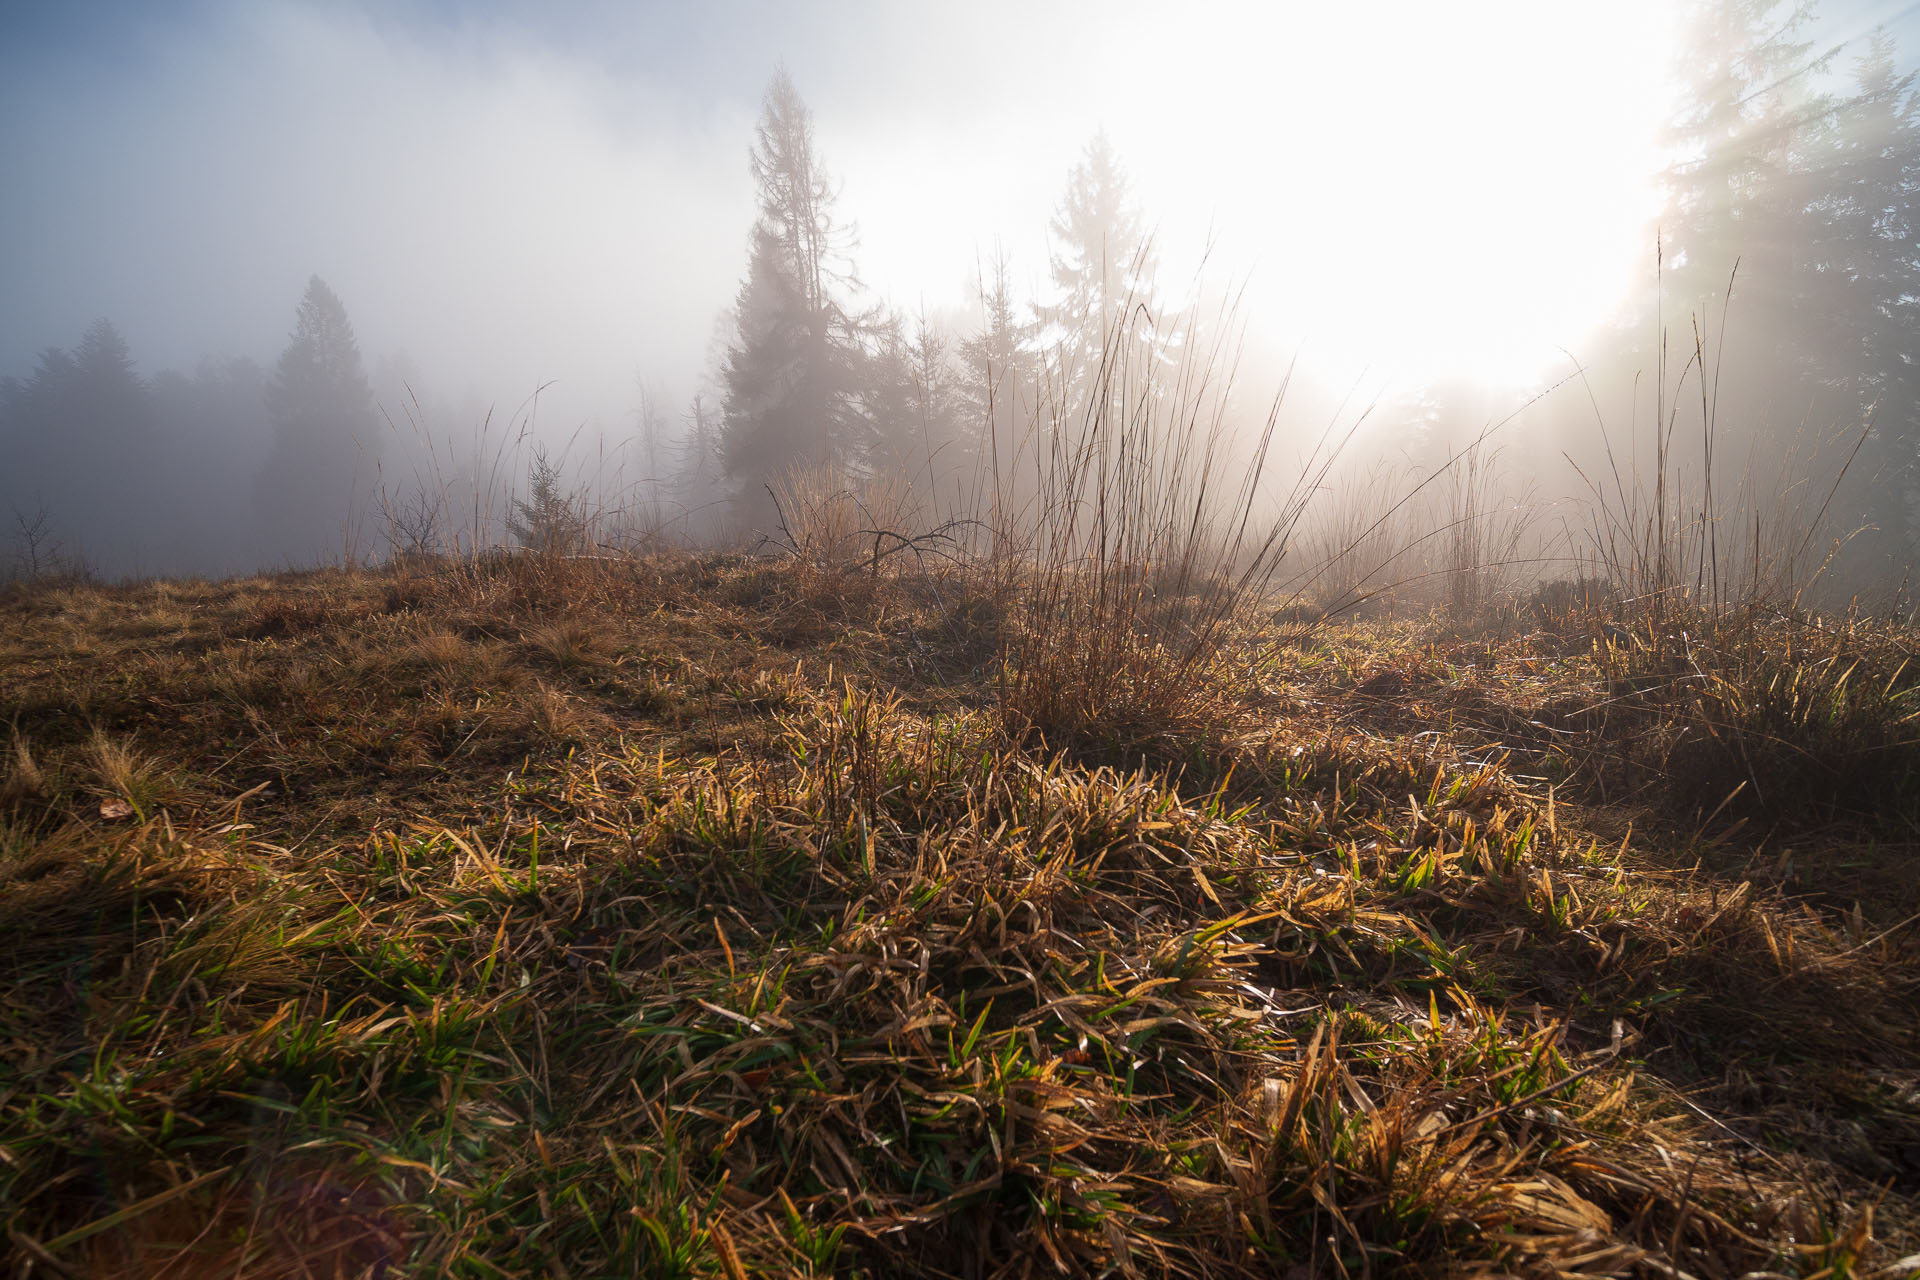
(796, 370)
(913, 405)
(1102, 268)
(78, 442)
(998, 387)
(547, 520)
(1812, 193)
(323, 419)
(699, 468)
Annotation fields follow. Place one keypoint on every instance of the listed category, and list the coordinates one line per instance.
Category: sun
(1462, 191)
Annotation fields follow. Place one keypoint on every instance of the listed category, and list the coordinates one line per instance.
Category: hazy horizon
(511, 198)
(508, 197)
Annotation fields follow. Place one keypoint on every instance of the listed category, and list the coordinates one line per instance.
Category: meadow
(840, 912)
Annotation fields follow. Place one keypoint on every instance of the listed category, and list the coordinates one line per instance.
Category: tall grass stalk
(1730, 683)
(1146, 530)
(1678, 541)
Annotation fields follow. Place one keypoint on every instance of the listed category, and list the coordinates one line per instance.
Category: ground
(710, 916)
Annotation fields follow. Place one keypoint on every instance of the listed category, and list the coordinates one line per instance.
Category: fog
(1435, 212)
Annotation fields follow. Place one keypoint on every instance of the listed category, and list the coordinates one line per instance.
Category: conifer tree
(79, 438)
(323, 418)
(999, 395)
(1866, 280)
(547, 519)
(795, 370)
(913, 407)
(700, 471)
(1812, 192)
(1102, 268)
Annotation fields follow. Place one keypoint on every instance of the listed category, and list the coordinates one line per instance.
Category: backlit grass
(683, 917)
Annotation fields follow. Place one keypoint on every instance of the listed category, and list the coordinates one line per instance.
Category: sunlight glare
(1453, 191)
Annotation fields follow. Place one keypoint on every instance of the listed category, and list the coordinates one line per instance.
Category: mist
(1434, 228)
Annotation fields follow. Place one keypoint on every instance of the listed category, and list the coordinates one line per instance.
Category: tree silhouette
(1102, 267)
(998, 394)
(78, 438)
(212, 424)
(1865, 287)
(547, 519)
(323, 418)
(699, 471)
(913, 405)
(795, 370)
(1810, 186)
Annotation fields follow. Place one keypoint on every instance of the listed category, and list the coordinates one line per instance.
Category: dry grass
(1145, 538)
(1359, 543)
(1791, 717)
(563, 917)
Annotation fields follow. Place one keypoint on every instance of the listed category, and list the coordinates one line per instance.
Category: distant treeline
(1786, 305)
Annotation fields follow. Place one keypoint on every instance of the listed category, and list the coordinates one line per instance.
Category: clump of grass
(1572, 604)
(569, 644)
(24, 780)
(1789, 716)
(441, 648)
(555, 715)
(1145, 534)
(1730, 690)
(135, 778)
(831, 523)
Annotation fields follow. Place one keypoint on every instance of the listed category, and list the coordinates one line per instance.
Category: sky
(518, 195)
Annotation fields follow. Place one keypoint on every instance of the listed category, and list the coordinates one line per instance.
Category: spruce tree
(1102, 268)
(79, 438)
(547, 520)
(324, 433)
(795, 370)
(1810, 189)
(998, 363)
(1867, 277)
(912, 406)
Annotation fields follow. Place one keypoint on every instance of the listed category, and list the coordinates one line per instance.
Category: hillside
(718, 916)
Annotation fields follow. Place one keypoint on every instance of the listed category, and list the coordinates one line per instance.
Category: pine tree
(1813, 193)
(547, 519)
(323, 417)
(1868, 277)
(80, 438)
(794, 373)
(1102, 266)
